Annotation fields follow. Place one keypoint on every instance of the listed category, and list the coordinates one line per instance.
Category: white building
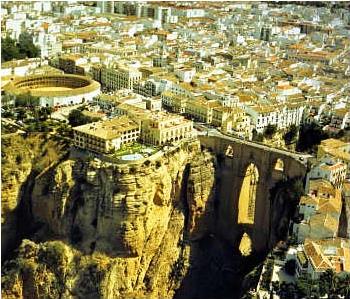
(329, 169)
(48, 44)
(188, 12)
(115, 78)
(282, 116)
(106, 136)
(185, 74)
(14, 27)
(19, 67)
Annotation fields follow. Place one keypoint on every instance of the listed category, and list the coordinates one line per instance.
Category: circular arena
(55, 90)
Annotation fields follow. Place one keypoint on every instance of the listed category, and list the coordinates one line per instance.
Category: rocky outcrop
(165, 227)
(285, 197)
(130, 226)
(22, 158)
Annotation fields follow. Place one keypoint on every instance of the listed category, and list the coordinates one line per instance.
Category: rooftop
(108, 129)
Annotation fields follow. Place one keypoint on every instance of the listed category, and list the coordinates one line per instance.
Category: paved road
(298, 156)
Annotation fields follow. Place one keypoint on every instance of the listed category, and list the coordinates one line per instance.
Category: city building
(320, 211)
(329, 169)
(114, 78)
(327, 254)
(161, 128)
(336, 149)
(282, 116)
(106, 136)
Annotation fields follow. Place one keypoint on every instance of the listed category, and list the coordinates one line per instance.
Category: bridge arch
(245, 246)
(229, 151)
(279, 165)
(247, 196)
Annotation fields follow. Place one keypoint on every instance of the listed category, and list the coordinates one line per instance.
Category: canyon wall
(163, 227)
(129, 227)
(22, 158)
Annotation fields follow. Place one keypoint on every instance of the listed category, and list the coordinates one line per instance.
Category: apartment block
(106, 136)
(161, 128)
(114, 78)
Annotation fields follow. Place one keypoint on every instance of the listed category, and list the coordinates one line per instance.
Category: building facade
(106, 136)
(162, 128)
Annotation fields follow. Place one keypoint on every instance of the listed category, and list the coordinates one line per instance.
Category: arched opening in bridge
(229, 151)
(245, 246)
(247, 196)
(279, 166)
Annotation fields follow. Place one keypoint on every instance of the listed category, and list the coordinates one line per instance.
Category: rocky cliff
(128, 227)
(91, 228)
(22, 158)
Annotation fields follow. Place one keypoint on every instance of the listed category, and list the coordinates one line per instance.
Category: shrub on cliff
(53, 255)
(310, 135)
(290, 135)
(269, 131)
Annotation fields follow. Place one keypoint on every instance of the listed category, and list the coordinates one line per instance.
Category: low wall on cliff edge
(86, 154)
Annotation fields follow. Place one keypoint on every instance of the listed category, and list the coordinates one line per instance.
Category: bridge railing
(262, 144)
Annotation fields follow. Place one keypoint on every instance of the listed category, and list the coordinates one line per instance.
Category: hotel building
(106, 136)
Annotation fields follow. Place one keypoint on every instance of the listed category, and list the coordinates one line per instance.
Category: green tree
(77, 118)
(26, 100)
(45, 113)
(275, 287)
(7, 100)
(329, 282)
(49, 111)
(343, 286)
(26, 46)
(310, 135)
(269, 131)
(21, 114)
(290, 135)
(257, 136)
(9, 49)
(303, 287)
(340, 134)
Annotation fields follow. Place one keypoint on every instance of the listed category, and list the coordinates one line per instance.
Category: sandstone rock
(23, 158)
(126, 227)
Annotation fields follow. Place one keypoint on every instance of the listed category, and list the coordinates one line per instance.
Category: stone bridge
(246, 173)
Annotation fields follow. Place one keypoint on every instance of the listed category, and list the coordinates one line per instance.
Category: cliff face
(22, 157)
(144, 230)
(130, 227)
(285, 196)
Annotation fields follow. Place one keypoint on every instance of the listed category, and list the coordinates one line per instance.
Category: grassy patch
(133, 148)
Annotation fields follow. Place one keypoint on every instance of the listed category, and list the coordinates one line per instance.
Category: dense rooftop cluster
(252, 70)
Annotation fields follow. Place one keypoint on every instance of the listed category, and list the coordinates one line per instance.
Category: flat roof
(108, 129)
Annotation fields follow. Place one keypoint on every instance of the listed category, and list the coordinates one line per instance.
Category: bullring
(55, 90)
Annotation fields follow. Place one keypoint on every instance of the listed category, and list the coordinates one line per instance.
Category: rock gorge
(96, 229)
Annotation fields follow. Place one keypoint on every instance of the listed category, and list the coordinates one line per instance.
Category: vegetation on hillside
(331, 284)
(11, 49)
(310, 135)
(269, 131)
(291, 134)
